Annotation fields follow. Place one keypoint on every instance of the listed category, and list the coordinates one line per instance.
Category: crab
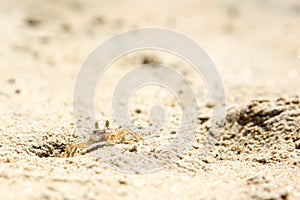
(102, 137)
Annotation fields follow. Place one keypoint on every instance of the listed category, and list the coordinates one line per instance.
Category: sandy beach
(255, 46)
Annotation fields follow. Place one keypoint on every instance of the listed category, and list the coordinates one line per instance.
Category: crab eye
(106, 124)
(96, 125)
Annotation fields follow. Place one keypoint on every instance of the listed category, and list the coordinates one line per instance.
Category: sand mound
(262, 126)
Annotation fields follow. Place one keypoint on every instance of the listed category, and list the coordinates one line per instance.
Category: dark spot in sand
(67, 28)
(17, 91)
(172, 132)
(122, 182)
(33, 22)
(210, 105)
(150, 60)
(12, 81)
(138, 111)
(203, 119)
(232, 12)
(228, 28)
(98, 20)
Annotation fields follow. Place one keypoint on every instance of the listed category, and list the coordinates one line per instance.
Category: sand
(256, 48)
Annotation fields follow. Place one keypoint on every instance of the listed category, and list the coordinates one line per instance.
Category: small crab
(105, 136)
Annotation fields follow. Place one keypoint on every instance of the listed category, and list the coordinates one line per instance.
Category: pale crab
(105, 136)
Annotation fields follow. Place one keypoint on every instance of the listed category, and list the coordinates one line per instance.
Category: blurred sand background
(255, 45)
